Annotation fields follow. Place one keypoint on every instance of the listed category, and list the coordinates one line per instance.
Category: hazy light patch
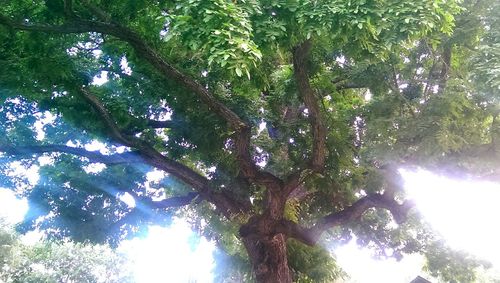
(362, 267)
(32, 237)
(261, 163)
(30, 173)
(94, 168)
(125, 67)
(368, 95)
(100, 79)
(97, 53)
(435, 89)
(97, 146)
(128, 199)
(43, 119)
(165, 116)
(173, 254)
(45, 160)
(71, 143)
(464, 212)
(262, 127)
(341, 60)
(120, 149)
(155, 175)
(13, 208)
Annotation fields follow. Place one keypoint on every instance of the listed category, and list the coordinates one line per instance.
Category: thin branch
(145, 204)
(154, 124)
(29, 151)
(445, 68)
(146, 52)
(429, 80)
(100, 14)
(395, 85)
(349, 85)
(68, 9)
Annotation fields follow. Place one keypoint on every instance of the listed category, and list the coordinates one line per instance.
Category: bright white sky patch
(262, 127)
(31, 173)
(155, 175)
(368, 95)
(124, 66)
(362, 268)
(42, 120)
(128, 199)
(95, 146)
(169, 255)
(465, 212)
(94, 168)
(100, 79)
(12, 209)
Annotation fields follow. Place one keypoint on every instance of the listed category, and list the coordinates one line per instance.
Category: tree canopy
(47, 262)
(272, 125)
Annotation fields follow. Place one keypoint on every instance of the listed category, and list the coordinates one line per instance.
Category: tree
(63, 262)
(277, 124)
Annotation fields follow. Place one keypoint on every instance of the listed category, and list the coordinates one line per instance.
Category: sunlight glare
(13, 208)
(100, 79)
(362, 267)
(464, 212)
(173, 254)
(128, 199)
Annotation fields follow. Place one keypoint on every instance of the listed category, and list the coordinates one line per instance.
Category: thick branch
(319, 131)
(171, 202)
(161, 124)
(225, 203)
(248, 169)
(145, 51)
(154, 124)
(300, 54)
(311, 235)
(68, 8)
(28, 151)
(66, 28)
(145, 204)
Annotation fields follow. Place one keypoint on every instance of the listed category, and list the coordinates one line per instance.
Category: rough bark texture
(264, 235)
(268, 256)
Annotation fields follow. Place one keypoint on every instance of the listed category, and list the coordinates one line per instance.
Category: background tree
(276, 124)
(59, 262)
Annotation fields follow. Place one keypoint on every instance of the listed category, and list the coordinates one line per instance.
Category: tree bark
(268, 256)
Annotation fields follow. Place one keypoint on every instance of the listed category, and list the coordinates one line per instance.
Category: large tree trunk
(268, 257)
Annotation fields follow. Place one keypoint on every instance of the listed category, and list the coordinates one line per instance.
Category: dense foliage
(266, 121)
(47, 262)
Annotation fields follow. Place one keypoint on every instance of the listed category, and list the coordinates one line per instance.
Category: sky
(463, 212)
